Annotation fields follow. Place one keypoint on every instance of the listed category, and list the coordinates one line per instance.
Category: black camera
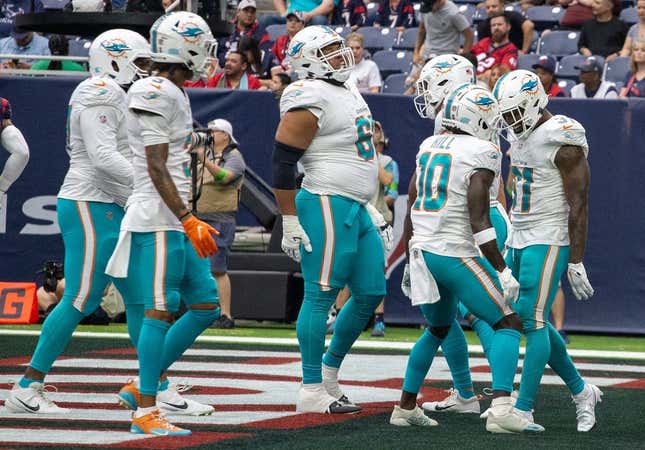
(202, 138)
(54, 272)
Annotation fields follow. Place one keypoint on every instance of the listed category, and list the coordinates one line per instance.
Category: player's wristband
(485, 236)
(183, 216)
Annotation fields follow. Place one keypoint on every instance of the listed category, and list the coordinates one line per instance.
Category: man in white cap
(246, 24)
(222, 181)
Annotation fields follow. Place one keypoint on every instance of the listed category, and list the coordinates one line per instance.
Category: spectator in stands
(235, 74)
(295, 23)
(219, 202)
(439, 29)
(521, 33)
(635, 79)
(23, 43)
(58, 46)
(576, 13)
(591, 84)
(497, 49)
(350, 13)
(637, 31)
(365, 72)
(314, 12)
(496, 73)
(279, 81)
(397, 14)
(605, 34)
(260, 61)
(545, 69)
(9, 9)
(245, 25)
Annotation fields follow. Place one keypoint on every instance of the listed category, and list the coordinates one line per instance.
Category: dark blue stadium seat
(378, 38)
(627, 3)
(534, 42)
(526, 61)
(406, 40)
(468, 11)
(372, 12)
(559, 43)
(629, 15)
(276, 30)
(617, 69)
(55, 4)
(343, 31)
(544, 16)
(567, 66)
(417, 12)
(392, 61)
(566, 86)
(79, 47)
(395, 84)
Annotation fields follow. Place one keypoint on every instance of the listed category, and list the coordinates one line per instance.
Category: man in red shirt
(234, 75)
(245, 25)
(295, 23)
(545, 69)
(496, 49)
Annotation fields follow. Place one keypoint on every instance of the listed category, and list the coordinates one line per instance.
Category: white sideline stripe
(375, 345)
(124, 416)
(53, 436)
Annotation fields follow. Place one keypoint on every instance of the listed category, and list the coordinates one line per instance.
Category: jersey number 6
(364, 143)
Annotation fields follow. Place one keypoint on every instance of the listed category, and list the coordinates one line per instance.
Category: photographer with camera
(218, 203)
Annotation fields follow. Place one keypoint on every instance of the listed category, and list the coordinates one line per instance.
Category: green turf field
(619, 417)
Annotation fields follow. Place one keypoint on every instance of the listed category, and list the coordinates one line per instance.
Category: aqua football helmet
(308, 58)
(115, 53)
(473, 110)
(437, 79)
(184, 38)
(522, 100)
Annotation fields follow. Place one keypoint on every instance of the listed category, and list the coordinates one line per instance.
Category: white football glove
(579, 282)
(385, 230)
(292, 236)
(510, 286)
(405, 282)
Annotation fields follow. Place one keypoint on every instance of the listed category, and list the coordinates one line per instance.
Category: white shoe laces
(47, 389)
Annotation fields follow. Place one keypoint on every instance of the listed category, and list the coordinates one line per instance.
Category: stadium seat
(566, 86)
(55, 4)
(544, 16)
(406, 40)
(468, 11)
(343, 31)
(480, 15)
(558, 43)
(392, 61)
(79, 47)
(629, 15)
(378, 38)
(526, 61)
(372, 12)
(567, 66)
(395, 84)
(617, 69)
(276, 30)
(534, 42)
(417, 12)
(627, 3)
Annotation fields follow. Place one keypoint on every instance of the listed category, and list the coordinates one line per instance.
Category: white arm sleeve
(154, 129)
(14, 142)
(100, 129)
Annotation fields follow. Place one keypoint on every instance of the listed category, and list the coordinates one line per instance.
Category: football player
(169, 245)
(90, 202)
(328, 226)
(448, 226)
(14, 142)
(549, 231)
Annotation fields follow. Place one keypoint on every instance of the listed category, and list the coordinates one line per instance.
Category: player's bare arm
(478, 210)
(156, 156)
(576, 177)
(407, 223)
(296, 130)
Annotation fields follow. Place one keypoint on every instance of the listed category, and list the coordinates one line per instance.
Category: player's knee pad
(205, 317)
(511, 321)
(440, 332)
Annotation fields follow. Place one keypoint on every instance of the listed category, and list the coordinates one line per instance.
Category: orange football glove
(199, 234)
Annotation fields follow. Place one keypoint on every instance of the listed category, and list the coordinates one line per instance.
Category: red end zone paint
(168, 443)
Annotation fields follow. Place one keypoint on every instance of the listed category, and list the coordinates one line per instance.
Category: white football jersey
(97, 144)
(440, 219)
(146, 210)
(540, 211)
(341, 158)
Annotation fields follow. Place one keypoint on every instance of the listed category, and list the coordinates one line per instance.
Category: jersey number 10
(432, 185)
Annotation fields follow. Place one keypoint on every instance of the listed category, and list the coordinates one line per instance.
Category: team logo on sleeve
(189, 31)
(116, 48)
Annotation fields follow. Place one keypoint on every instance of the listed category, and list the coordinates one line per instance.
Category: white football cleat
(172, 403)
(503, 417)
(411, 417)
(32, 400)
(514, 396)
(454, 403)
(585, 406)
(313, 398)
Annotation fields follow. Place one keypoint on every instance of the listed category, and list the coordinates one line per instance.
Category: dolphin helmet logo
(115, 47)
(530, 86)
(296, 50)
(483, 102)
(191, 32)
(444, 66)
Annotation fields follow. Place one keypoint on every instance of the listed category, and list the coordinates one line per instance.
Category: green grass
(394, 334)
